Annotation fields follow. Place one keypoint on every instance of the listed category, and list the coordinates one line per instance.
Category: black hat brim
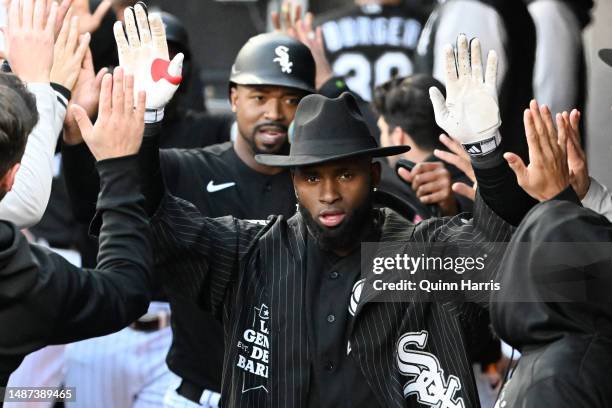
(275, 160)
(606, 56)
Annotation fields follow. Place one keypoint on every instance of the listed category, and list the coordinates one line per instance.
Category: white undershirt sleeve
(598, 199)
(25, 204)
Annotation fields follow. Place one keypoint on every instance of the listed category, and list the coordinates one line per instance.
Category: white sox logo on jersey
(355, 296)
(282, 57)
(428, 383)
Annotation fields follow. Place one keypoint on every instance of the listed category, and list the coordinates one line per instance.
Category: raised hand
(62, 9)
(144, 54)
(576, 157)
(460, 159)
(30, 35)
(119, 128)
(88, 21)
(470, 112)
(86, 93)
(302, 29)
(69, 53)
(547, 174)
(288, 17)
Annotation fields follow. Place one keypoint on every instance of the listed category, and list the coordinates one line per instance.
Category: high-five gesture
(548, 173)
(86, 94)
(30, 35)
(470, 112)
(88, 21)
(302, 29)
(70, 49)
(119, 129)
(576, 157)
(144, 54)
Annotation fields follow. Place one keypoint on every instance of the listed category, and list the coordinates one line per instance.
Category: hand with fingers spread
(302, 29)
(30, 35)
(471, 111)
(88, 21)
(86, 94)
(70, 49)
(458, 157)
(431, 182)
(547, 174)
(144, 54)
(62, 9)
(119, 128)
(576, 157)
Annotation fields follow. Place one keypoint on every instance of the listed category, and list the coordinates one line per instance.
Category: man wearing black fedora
(300, 324)
(271, 73)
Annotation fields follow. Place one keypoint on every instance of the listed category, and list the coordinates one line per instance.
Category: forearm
(124, 222)
(25, 204)
(499, 188)
(150, 168)
(117, 292)
(82, 181)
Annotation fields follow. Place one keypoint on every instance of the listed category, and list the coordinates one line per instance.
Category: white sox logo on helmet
(282, 57)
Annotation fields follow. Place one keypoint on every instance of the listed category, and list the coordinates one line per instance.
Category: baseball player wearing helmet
(302, 326)
(271, 74)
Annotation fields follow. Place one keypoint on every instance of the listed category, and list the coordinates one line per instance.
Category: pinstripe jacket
(253, 276)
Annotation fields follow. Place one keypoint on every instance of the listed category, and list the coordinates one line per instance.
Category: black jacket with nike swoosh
(218, 182)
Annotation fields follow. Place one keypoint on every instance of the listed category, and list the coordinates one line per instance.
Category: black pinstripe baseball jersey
(253, 278)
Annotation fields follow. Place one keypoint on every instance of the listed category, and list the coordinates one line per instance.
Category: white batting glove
(470, 112)
(144, 54)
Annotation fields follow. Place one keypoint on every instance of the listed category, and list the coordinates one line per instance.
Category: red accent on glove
(159, 71)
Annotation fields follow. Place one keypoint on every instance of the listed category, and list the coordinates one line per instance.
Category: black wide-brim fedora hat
(606, 56)
(327, 130)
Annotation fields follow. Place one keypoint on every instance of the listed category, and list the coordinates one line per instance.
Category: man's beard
(345, 236)
(284, 150)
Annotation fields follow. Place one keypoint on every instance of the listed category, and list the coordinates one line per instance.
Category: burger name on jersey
(368, 49)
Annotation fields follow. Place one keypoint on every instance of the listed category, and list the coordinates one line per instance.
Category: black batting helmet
(274, 59)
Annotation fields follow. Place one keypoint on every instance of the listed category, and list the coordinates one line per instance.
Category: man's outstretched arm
(195, 256)
(470, 113)
(90, 303)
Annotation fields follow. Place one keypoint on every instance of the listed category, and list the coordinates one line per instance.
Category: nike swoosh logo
(212, 188)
